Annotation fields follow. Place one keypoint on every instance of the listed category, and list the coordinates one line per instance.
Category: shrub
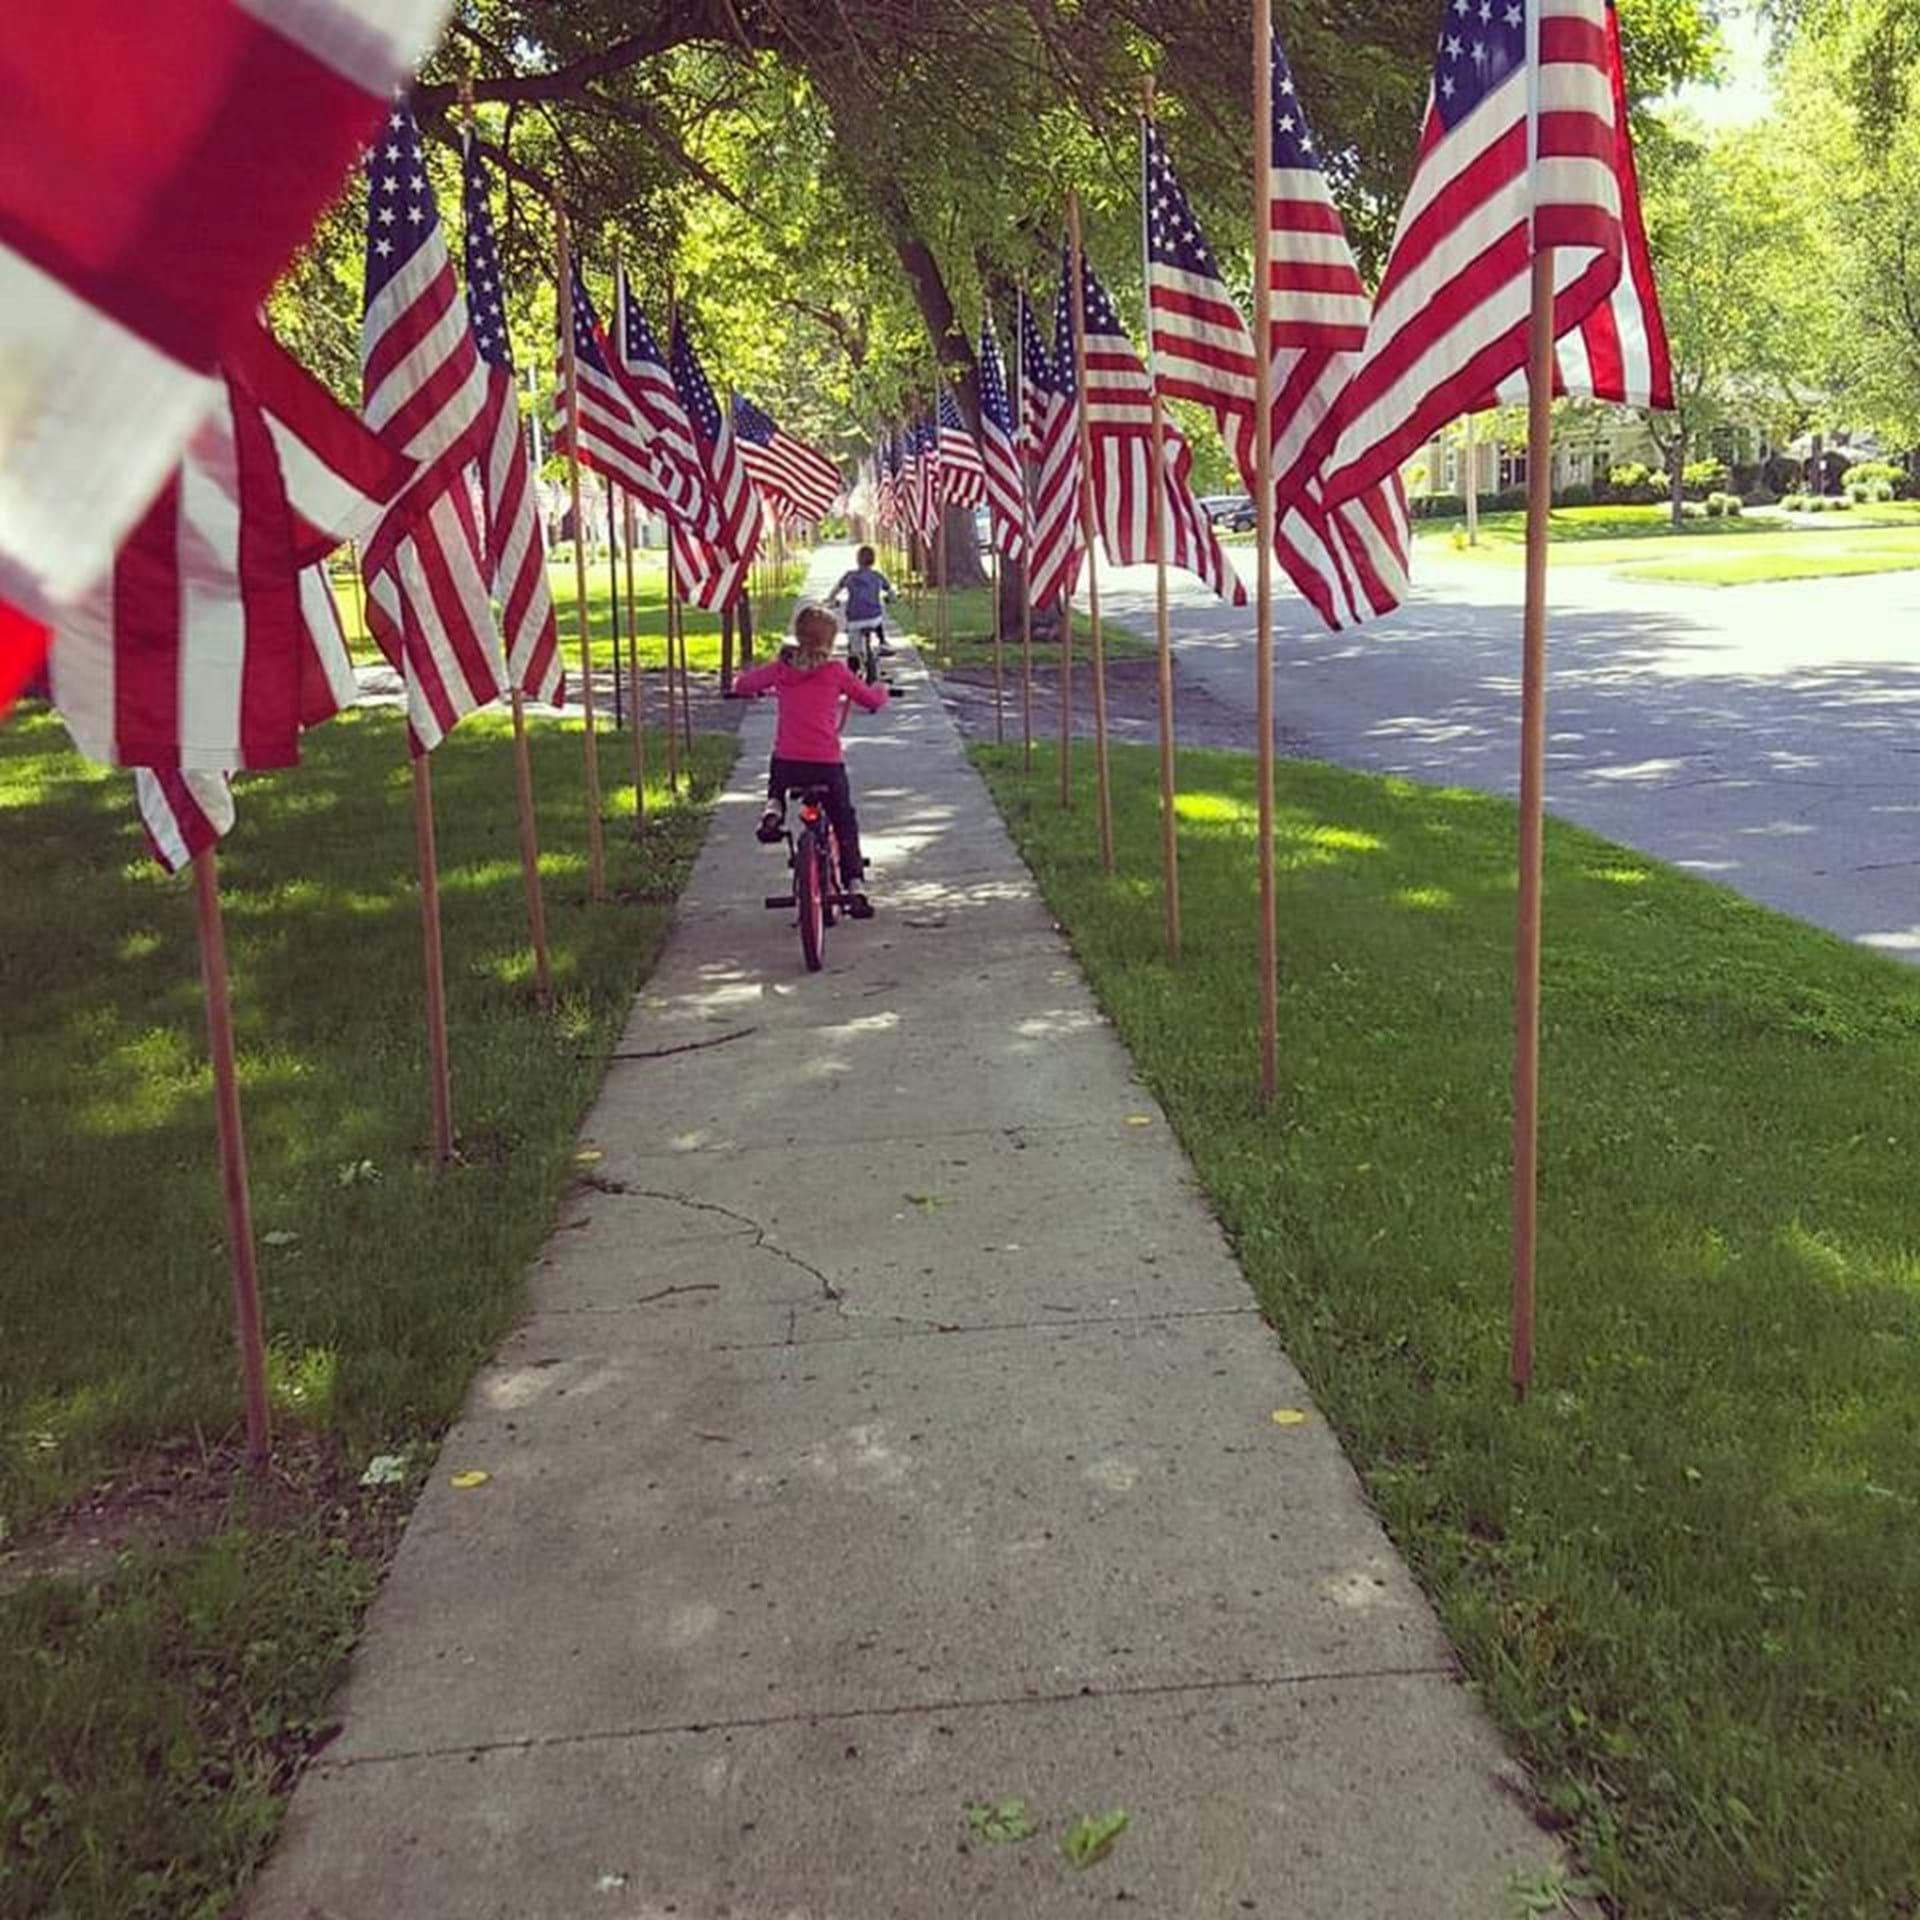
(1868, 473)
(1578, 495)
(1760, 497)
(1839, 504)
(1723, 506)
(1437, 506)
(1693, 510)
(1702, 477)
(1635, 484)
(1507, 500)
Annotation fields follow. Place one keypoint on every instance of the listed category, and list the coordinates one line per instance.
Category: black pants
(782, 774)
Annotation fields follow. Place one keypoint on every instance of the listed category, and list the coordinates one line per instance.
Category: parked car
(1234, 511)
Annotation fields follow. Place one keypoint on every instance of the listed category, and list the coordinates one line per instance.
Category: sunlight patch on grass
(1667, 1572)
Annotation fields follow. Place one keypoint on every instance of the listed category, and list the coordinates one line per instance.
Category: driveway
(1765, 737)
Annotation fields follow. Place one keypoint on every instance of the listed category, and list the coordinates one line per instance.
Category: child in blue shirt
(865, 589)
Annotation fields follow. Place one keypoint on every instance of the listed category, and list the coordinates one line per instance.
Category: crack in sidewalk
(762, 1243)
(910, 1709)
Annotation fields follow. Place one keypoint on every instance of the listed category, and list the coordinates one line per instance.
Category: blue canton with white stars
(1173, 235)
(1293, 144)
(1064, 382)
(1482, 44)
(1102, 317)
(696, 391)
(993, 383)
(751, 422)
(1036, 368)
(641, 345)
(486, 300)
(402, 214)
(586, 326)
(949, 411)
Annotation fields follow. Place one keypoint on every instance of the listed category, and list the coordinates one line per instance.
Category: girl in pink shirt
(810, 685)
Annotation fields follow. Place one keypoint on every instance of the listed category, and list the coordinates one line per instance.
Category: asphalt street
(1764, 737)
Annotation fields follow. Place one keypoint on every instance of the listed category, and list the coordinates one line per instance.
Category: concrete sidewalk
(892, 1431)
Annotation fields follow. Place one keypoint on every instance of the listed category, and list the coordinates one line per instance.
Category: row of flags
(1358, 383)
(214, 638)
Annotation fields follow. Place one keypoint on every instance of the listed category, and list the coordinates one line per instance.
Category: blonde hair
(814, 632)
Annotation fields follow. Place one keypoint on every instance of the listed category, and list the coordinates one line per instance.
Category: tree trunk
(726, 647)
(963, 552)
(746, 630)
(1677, 478)
(1817, 466)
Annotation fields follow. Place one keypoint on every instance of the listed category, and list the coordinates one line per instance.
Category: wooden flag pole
(673, 718)
(1026, 551)
(1533, 782)
(613, 605)
(1026, 661)
(999, 659)
(1103, 789)
(596, 853)
(1169, 824)
(1263, 520)
(639, 701)
(522, 762)
(943, 616)
(530, 851)
(247, 1331)
(437, 1057)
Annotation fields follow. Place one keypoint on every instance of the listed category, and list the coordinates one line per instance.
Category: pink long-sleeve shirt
(809, 726)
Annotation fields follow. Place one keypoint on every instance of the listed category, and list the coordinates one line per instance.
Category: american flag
(187, 812)
(886, 480)
(1120, 422)
(963, 480)
(1450, 320)
(1057, 545)
(1000, 457)
(158, 166)
(644, 372)
(922, 478)
(426, 395)
(790, 473)
(1619, 352)
(516, 547)
(1347, 564)
(614, 441)
(214, 639)
(1036, 383)
(710, 572)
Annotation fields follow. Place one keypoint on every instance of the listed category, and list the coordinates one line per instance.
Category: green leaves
(1091, 1838)
(1002, 1823)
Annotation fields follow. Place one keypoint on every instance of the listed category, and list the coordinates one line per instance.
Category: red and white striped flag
(712, 571)
(159, 163)
(999, 455)
(516, 548)
(1055, 459)
(211, 644)
(1494, 180)
(426, 395)
(1619, 352)
(675, 448)
(1349, 563)
(962, 480)
(614, 441)
(1120, 425)
(795, 479)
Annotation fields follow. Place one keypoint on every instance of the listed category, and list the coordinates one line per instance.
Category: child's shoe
(859, 907)
(773, 824)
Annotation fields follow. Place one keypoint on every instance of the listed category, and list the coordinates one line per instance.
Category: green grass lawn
(1685, 1575)
(148, 1710)
(650, 608)
(1641, 543)
(971, 643)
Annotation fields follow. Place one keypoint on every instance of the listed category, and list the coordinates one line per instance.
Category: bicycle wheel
(809, 895)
